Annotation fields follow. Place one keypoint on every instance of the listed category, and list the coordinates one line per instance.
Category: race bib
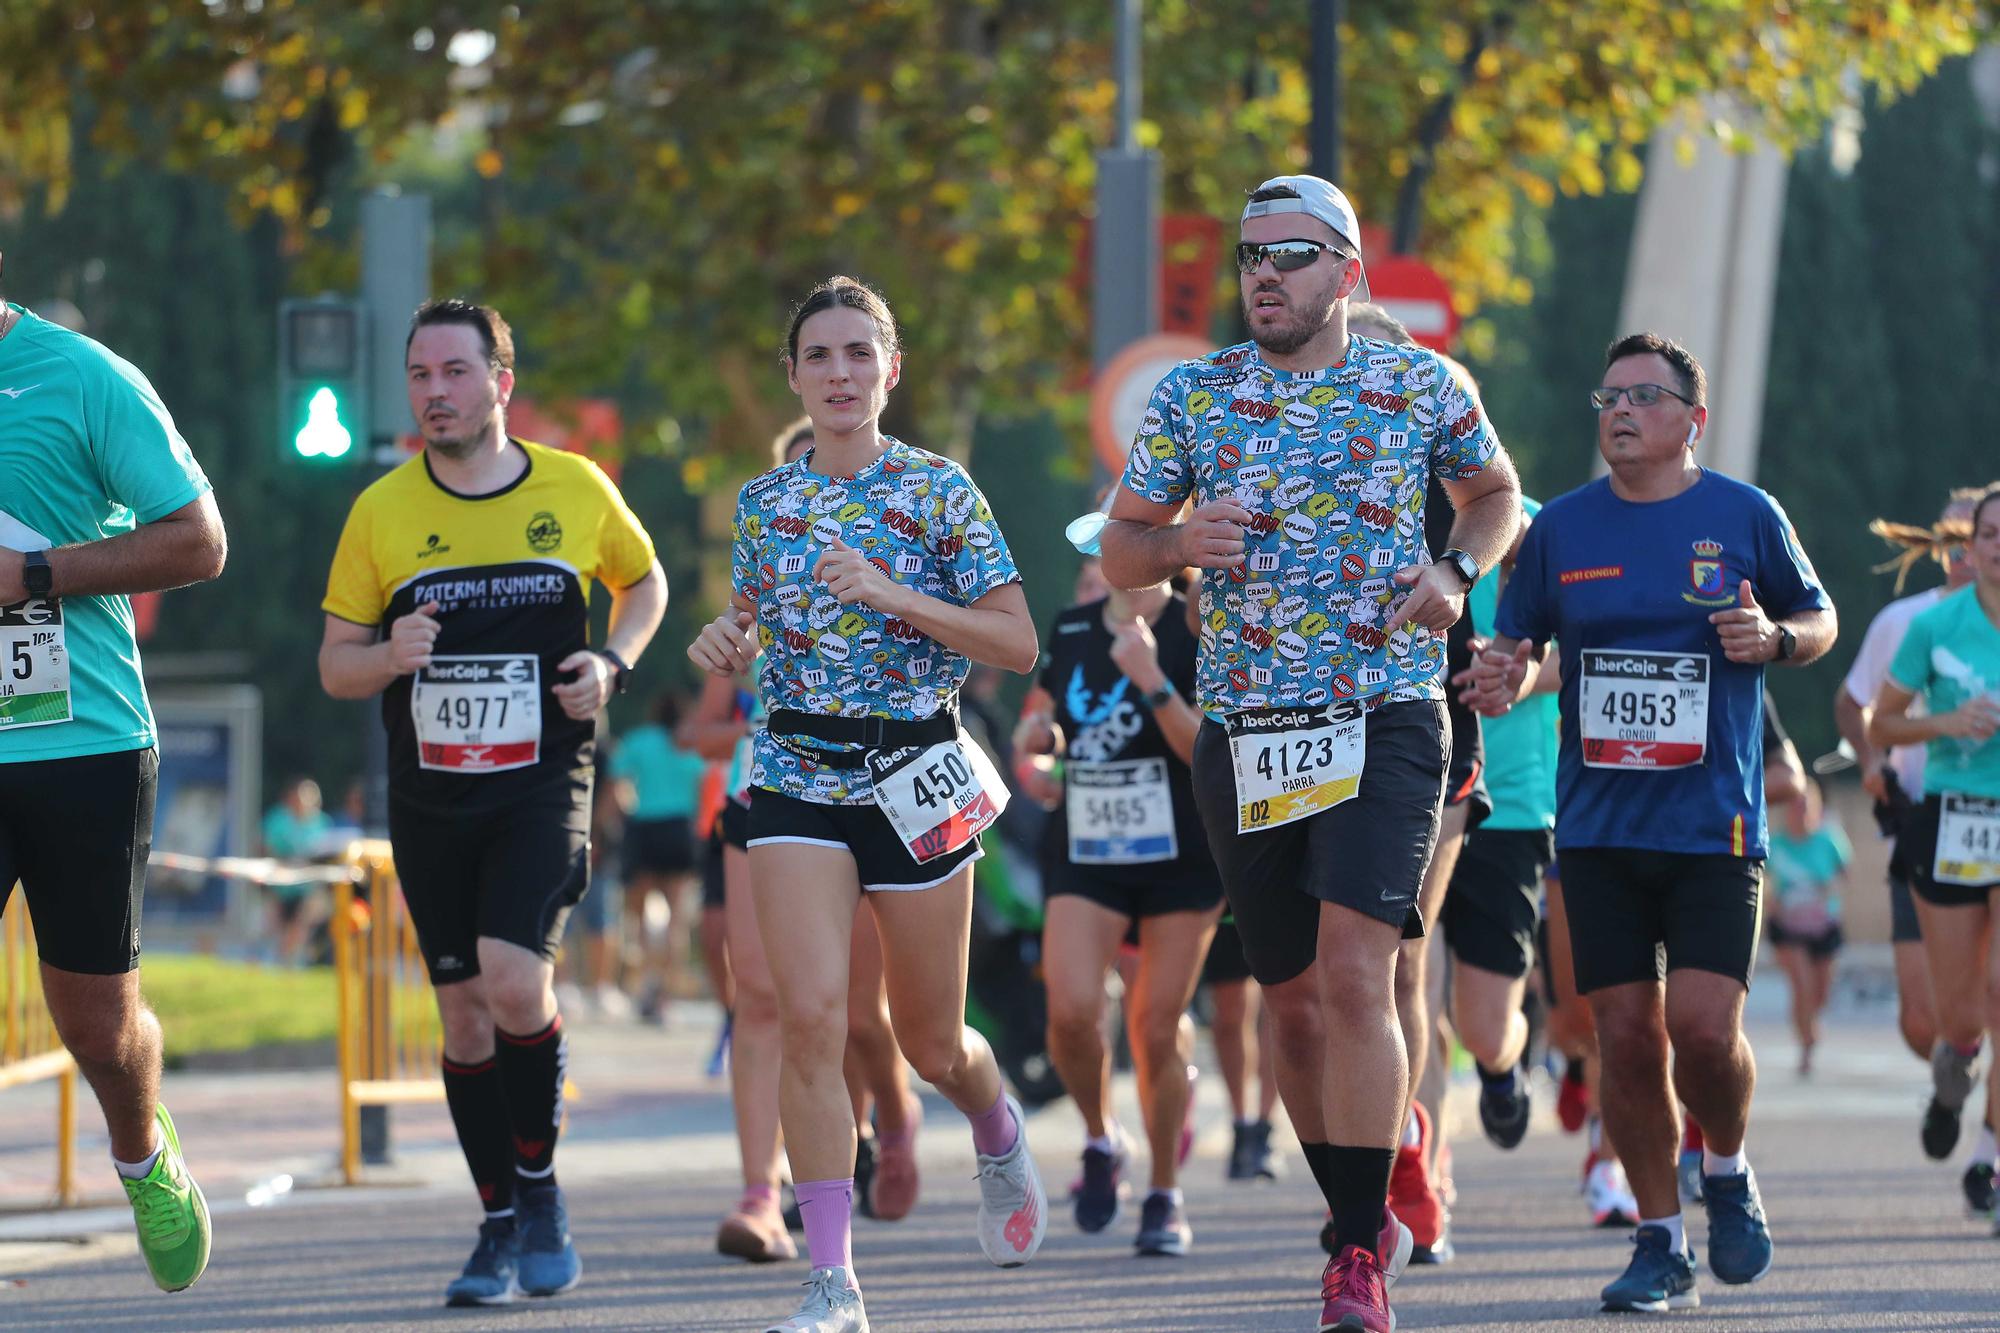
(937, 797)
(1643, 710)
(478, 713)
(1294, 762)
(1120, 814)
(34, 665)
(1968, 845)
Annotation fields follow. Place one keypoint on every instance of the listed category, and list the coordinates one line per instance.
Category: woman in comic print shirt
(871, 575)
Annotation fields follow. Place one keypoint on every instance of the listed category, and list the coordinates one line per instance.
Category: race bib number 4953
(1968, 845)
(1295, 762)
(34, 664)
(1638, 709)
(478, 712)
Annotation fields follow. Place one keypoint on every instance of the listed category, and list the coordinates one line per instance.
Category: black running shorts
(881, 860)
(714, 887)
(659, 846)
(1368, 853)
(1494, 900)
(1822, 944)
(1225, 961)
(76, 833)
(1637, 915)
(1918, 846)
(511, 875)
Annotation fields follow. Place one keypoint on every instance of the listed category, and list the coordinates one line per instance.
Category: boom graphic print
(921, 521)
(1332, 466)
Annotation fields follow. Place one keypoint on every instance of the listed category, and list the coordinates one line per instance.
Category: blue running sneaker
(1656, 1281)
(549, 1265)
(1097, 1197)
(1739, 1240)
(1688, 1172)
(489, 1277)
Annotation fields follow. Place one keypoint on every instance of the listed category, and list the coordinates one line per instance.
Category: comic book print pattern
(1332, 466)
(923, 523)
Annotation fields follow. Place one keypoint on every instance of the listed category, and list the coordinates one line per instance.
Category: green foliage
(210, 1004)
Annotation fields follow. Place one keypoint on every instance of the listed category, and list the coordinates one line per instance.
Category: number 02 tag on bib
(1968, 845)
(1295, 762)
(34, 665)
(1643, 710)
(937, 797)
(1121, 813)
(478, 713)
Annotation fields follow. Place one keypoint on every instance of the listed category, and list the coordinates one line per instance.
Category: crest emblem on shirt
(1705, 570)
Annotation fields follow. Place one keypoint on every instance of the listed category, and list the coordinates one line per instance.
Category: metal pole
(1130, 91)
(1125, 241)
(1325, 132)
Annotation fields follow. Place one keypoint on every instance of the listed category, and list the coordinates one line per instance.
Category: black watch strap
(36, 575)
(1788, 643)
(621, 670)
(1161, 697)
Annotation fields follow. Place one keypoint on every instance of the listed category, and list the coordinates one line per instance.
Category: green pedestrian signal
(323, 381)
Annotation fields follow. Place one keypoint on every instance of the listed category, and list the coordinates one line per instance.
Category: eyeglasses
(1641, 395)
(1285, 256)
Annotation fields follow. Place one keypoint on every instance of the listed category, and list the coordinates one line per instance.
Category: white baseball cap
(1317, 198)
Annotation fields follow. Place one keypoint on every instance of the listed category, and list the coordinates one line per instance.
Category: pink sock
(760, 1196)
(827, 1209)
(994, 1132)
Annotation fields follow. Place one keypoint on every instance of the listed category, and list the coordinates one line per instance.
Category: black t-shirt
(1104, 719)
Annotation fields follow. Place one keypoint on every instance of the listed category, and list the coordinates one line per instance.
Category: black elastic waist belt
(796, 731)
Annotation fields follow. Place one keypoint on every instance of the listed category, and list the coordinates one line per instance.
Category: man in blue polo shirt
(99, 498)
(1668, 588)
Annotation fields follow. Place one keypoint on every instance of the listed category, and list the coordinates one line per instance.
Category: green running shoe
(171, 1214)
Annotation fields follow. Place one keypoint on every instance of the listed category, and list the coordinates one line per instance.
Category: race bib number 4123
(1638, 709)
(1294, 762)
(34, 664)
(478, 712)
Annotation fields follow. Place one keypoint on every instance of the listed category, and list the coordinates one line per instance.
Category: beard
(1309, 319)
(458, 438)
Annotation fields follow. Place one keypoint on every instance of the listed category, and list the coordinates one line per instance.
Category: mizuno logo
(16, 393)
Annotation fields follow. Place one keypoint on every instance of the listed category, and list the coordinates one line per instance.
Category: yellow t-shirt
(510, 572)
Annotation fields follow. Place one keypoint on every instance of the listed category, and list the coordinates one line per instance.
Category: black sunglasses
(1285, 256)
(1642, 395)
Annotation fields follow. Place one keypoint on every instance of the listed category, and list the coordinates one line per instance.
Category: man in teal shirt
(99, 498)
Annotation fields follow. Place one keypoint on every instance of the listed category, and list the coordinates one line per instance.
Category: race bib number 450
(34, 665)
(937, 797)
(1968, 845)
(478, 713)
(1643, 710)
(1295, 762)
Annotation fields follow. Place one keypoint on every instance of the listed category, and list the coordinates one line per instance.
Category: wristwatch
(36, 575)
(1161, 697)
(1463, 564)
(1788, 643)
(620, 669)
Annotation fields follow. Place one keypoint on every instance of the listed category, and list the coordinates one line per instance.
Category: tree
(659, 180)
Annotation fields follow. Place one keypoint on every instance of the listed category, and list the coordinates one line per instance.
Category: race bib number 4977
(478, 712)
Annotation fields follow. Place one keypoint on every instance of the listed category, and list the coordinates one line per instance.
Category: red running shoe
(1415, 1201)
(1573, 1101)
(1353, 1296)
(1691, 1140)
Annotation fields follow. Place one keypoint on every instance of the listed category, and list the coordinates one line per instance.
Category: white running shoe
(832, 1305)
(1013, 1207)
(1610, 1196)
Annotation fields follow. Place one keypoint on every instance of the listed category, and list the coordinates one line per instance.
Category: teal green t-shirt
(87, 451)
(1521, 744)
(1804, 868)
(666, 780)
(1951, 653)
(290, 838)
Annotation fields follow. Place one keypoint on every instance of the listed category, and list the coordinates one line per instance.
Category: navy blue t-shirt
(1626, 589)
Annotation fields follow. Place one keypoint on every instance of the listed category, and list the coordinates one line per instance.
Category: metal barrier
(29, 1048)
(390, 1042)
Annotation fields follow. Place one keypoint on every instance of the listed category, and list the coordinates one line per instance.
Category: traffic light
(323, 380)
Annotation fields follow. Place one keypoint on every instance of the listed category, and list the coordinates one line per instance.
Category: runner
(460, 594)
(1321, 766)
(1656, 581)
(1240, 1026)
(1896, 780)
(100, 497)
(1124, 854)
(1809, 855)
(870, 573)
(1950, 657)
(659, 852)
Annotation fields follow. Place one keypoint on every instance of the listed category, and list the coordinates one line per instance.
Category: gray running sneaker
(1013, 1207)
(832, 1305)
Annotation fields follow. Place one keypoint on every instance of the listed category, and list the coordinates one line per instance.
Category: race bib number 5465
(1294, 762)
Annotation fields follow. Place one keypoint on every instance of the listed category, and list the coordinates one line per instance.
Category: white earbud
(1693, 430)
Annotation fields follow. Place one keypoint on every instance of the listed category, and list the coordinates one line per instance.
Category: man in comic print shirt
(1319, 771)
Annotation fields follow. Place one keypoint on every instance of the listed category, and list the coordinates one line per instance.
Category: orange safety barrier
(389, 1039)
(29, 1048)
